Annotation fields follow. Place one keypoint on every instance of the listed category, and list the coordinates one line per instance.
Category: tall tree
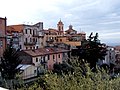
(91, 50)
(9, 63)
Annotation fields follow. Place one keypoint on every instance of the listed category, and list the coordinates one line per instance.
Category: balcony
(50, 41)
(29, 43)
(37, 35)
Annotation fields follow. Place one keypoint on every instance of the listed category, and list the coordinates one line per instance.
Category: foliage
(61, 68)
(9, 63)
(91, 50)
(99, 80)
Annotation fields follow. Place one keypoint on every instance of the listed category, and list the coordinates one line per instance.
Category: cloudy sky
(98, 16)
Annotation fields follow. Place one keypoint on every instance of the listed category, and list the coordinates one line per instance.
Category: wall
(56, 59)
(2, 35)
(29, 72)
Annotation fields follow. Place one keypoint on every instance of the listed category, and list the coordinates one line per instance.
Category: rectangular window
(26, 40)
(53, 57)
(55, 38)
(20, 46)
(30, 39)
(33, 39)
(33, 32)
(36, 39)
(26, 48)
(25, 31)
(35, 71)
(36, 59)
(48, 57)
(30, 31)
(36, 47)
(61, 40)
(59, 56)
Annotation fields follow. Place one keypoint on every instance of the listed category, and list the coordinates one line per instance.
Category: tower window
(59, 28)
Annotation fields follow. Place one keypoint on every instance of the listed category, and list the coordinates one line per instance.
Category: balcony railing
(50, 41)
(37, 35)
(29, 43)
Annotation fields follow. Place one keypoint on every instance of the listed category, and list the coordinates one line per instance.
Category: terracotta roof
(44, 51)
(81, 33)
(73, 43)
(18, 28)
(117, 47)
(52, 30)
(70, 30)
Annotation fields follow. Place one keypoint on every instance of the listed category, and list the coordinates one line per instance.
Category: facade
(117, 52)
(44, 57)
(50, 35)
(2, 35)
(27, 71)
(70, 31)
(60, 27)
(56, 36)
(14, 35)
(109, 58)
(27, 36)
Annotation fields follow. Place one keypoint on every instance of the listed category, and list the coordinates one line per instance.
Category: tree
(61, 68)
(9, 63)
(91, 50)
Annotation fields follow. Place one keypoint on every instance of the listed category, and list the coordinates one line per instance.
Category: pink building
(44, 57)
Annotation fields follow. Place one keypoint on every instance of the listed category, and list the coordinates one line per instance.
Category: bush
(99, 80)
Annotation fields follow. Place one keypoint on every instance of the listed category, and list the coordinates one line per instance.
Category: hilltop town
(39, 48)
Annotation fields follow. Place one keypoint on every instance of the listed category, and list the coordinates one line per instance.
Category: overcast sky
(98, 16)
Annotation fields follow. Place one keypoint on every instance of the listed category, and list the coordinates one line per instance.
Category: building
(44, 57)
(56, 36)
(26, 36)
(50, 35)
(2, 35)
(72, 38)
(14, 35)
(70, 31)
(27, 71)
(117, 52)
(109, 58)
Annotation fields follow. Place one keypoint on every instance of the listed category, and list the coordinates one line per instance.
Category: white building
(28, 71)
(29, 36)
(109, 58)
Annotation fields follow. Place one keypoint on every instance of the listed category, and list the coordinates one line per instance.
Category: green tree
(61, 68)
(91, 50)
(9, 63)
(76, 81)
